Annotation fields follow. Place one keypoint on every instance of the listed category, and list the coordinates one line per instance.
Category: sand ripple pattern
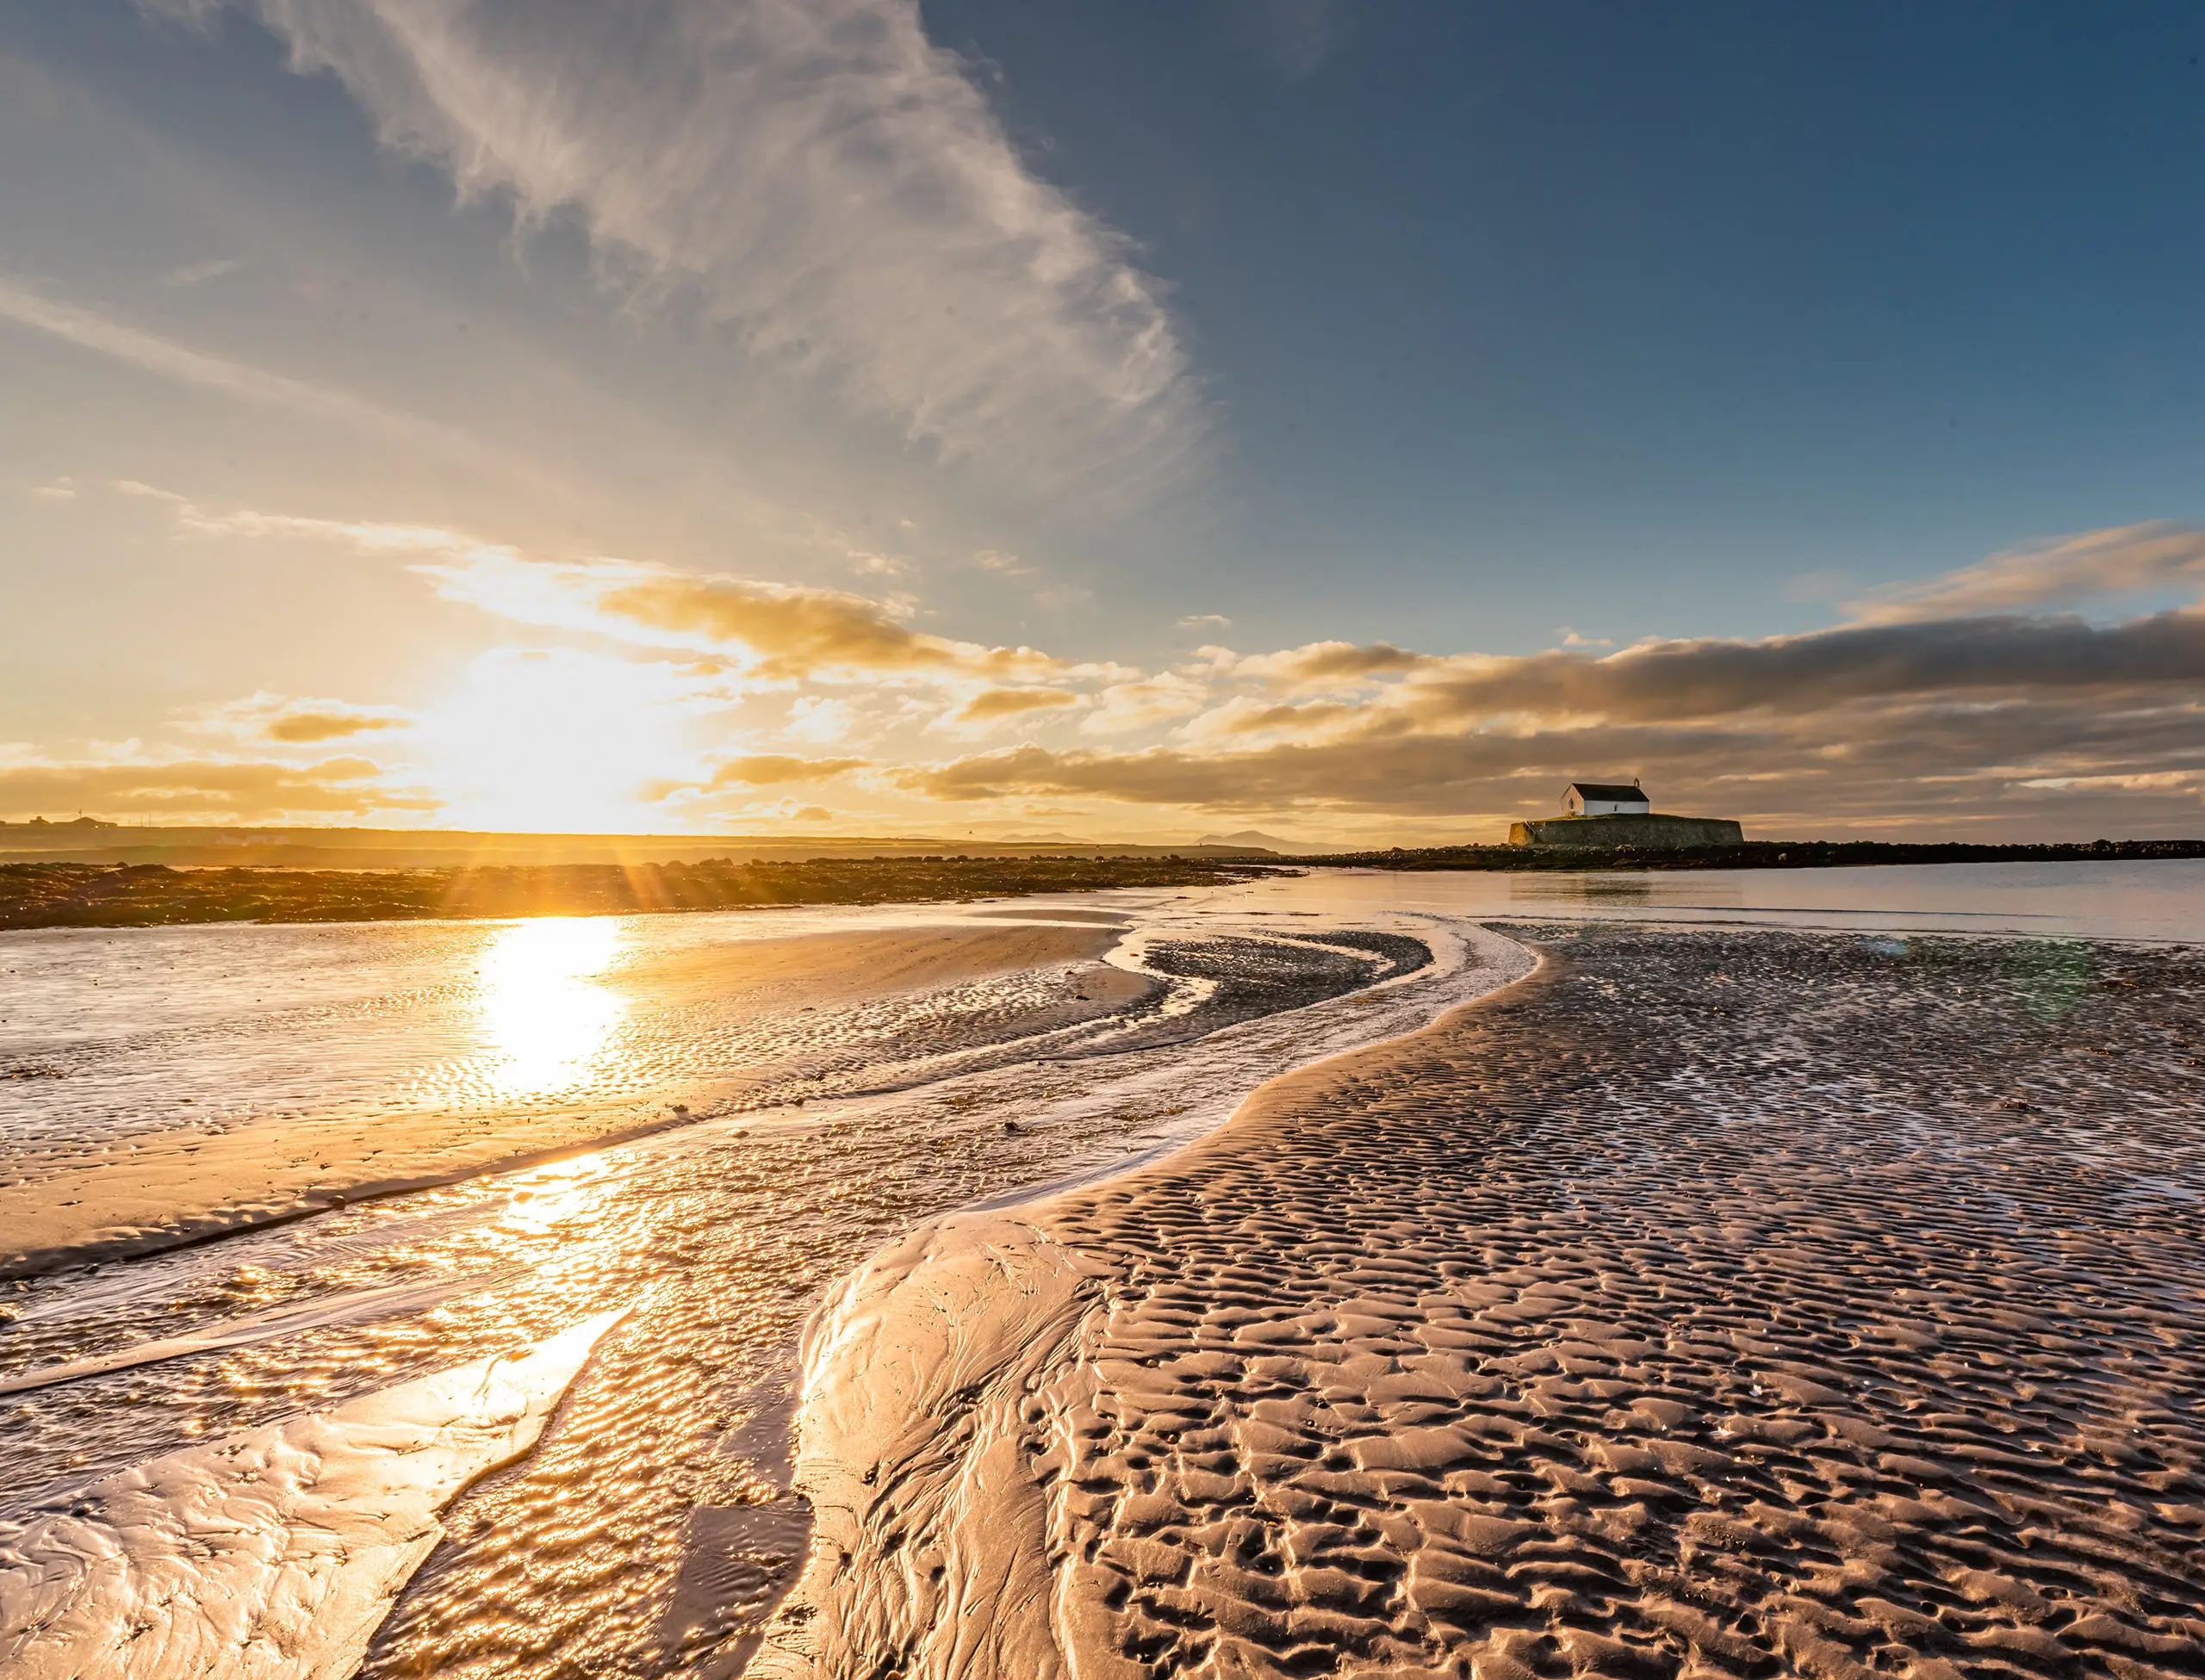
(1706, 1305)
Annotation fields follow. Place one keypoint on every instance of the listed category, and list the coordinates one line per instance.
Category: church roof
(1614, 791)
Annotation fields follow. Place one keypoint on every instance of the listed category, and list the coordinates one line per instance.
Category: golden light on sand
(554, 1196)
(557, 740)
(543, 1012)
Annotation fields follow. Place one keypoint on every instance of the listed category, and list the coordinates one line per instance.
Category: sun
(554, 739)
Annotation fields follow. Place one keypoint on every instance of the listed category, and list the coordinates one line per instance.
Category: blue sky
(1679, 301)
(992, 415)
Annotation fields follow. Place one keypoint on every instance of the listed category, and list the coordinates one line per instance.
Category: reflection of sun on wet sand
(548, 997)
(1708, 1304)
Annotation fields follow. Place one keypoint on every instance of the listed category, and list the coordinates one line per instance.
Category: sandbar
(1705, 1304)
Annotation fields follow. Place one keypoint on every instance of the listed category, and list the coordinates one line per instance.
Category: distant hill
(1257, 840)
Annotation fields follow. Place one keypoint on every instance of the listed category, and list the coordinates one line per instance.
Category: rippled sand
(1706, 1304)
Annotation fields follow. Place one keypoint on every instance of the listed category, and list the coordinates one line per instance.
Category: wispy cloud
(815, 171)
(370, 537)
(2123, 560)
(198, 274)
(104, 335)
(778, 631)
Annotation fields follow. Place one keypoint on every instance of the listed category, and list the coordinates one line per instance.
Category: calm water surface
(2163, 902)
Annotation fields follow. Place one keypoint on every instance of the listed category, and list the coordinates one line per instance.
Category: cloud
(316, 725)
(814, 172)
(1957, 723)
(995, 705)
(1349, 775)
(777, 770)
(369, 535)
(293, 722)
(61, 490)
(1122, 708)
(2000, 723)
(1329, 664)
(198, 274)
(1244, 716)
(190, 789)
(1861, 768)
(2123, 560)
(148, 352)
(791, 631)
(1708, 678)
(1205, 620)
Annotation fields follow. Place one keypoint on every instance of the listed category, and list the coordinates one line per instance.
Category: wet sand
(651, 1529)
(188, 1180)
(278, 1550)
(1705, 1304)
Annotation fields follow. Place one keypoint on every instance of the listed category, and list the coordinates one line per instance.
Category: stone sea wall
(1662, 833)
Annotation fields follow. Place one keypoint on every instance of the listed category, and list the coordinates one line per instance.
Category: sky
(1345, 420)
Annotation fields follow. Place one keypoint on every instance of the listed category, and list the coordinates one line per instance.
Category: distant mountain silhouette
(1257, 837)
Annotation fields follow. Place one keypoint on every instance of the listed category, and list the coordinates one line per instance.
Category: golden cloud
(778, 770)
(221, 788)
(790, 631)
(992, 706)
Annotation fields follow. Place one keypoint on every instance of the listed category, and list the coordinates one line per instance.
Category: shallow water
(2155, 901)
(108, 1032)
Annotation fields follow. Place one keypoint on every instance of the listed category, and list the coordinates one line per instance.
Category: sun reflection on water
(550, 1198)
(545, 1017)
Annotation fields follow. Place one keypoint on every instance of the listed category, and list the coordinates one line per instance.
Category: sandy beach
(1351, 1290)
(1706, 1302)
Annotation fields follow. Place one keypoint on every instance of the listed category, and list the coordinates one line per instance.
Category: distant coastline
(74, 894)
(91, 894)
(1762, 854)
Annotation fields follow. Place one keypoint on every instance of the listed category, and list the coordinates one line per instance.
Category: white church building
(1605, 799)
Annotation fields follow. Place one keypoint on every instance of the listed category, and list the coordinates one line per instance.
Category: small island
(1608, 815)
